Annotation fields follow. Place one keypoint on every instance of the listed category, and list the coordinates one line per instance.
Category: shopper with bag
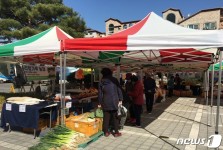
(122, 115)
(137, 96)
(110, 97)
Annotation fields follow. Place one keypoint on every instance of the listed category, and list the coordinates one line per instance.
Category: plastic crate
(88, 128)
(100, 123)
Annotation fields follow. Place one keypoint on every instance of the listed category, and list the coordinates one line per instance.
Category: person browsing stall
(137, 96)
(110, 97)
(170, 86)
(149, 87)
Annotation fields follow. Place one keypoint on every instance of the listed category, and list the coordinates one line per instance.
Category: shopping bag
(99, 113)
(91, 115)
(121, 111)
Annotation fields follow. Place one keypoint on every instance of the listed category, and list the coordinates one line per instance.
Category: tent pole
(61, 87)
(212, 92)
(92, 77)
(64, 83)
(141, 74)
(207, 91)
(100, 75)
(219, 94)
(118, 72)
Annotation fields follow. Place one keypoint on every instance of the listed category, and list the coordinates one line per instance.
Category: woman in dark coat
(110, 96)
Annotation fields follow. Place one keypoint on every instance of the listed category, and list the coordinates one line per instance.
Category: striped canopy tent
(39, 48)
(153, 40)
(216, 67)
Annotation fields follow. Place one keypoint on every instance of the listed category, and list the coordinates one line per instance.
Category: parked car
(3, 78)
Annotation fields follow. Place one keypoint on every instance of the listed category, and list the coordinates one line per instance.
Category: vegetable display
(60, 138)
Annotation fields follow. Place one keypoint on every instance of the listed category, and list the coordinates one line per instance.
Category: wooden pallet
(93, 138)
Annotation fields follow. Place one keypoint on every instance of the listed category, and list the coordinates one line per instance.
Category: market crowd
(124, 100)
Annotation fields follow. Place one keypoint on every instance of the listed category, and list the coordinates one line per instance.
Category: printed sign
(68, 105)
(39, 72)
(22, 108)
(8, 107)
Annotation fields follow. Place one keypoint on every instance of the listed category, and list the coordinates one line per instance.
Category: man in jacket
(149, 86)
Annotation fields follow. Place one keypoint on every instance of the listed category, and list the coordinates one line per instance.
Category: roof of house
(113, 19)
(174, 10)
(92, 30)
(204, 10)
(134, 21)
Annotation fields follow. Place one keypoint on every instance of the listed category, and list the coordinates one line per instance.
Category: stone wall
(203, 17)
(115, 23)
(118, 26)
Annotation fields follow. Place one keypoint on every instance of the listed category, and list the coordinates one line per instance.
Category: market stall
(25, 112)
(152, 40)
(144, 40)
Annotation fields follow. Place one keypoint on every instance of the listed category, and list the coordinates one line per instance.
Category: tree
(20, 19)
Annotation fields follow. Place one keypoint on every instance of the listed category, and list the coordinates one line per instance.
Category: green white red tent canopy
(153, 32)
(153, 40)
(45, 44)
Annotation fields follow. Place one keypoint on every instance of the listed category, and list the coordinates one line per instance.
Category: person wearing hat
(149, 87)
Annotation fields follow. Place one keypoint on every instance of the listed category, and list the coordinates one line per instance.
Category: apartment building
(89, 33)
(114, 25)
(208, 19)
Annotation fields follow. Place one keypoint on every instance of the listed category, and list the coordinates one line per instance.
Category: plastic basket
(100, 122)
(85, 127)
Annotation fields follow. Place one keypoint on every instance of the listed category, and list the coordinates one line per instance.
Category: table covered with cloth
(28, 119)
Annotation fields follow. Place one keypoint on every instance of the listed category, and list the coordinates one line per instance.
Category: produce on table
(87, 93)
(24, 100)
(60, 138)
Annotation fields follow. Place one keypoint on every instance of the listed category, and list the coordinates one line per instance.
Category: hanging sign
(68, 105)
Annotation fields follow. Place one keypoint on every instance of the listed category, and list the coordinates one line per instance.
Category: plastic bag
(99, 113)
(122, 111)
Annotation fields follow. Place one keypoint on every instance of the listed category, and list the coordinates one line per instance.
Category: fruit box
(88, 128)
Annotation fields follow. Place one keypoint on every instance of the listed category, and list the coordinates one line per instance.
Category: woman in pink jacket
(137, 96)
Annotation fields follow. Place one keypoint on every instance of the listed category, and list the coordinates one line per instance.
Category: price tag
(76, 125)
(68, 105)
(8, 107)
(22, 108)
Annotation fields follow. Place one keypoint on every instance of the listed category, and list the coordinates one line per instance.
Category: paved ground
(176, 118)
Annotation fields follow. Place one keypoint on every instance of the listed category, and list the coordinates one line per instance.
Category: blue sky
(95, 12)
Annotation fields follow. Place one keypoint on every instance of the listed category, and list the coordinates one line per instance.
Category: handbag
(99, 113)
(121, 111)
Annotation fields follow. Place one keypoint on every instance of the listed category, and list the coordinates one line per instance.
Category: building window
(125, 26)
(210, 26)
(90, 33)
(171, 17)
(111, 28)
(131, 24)
(193, 26)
